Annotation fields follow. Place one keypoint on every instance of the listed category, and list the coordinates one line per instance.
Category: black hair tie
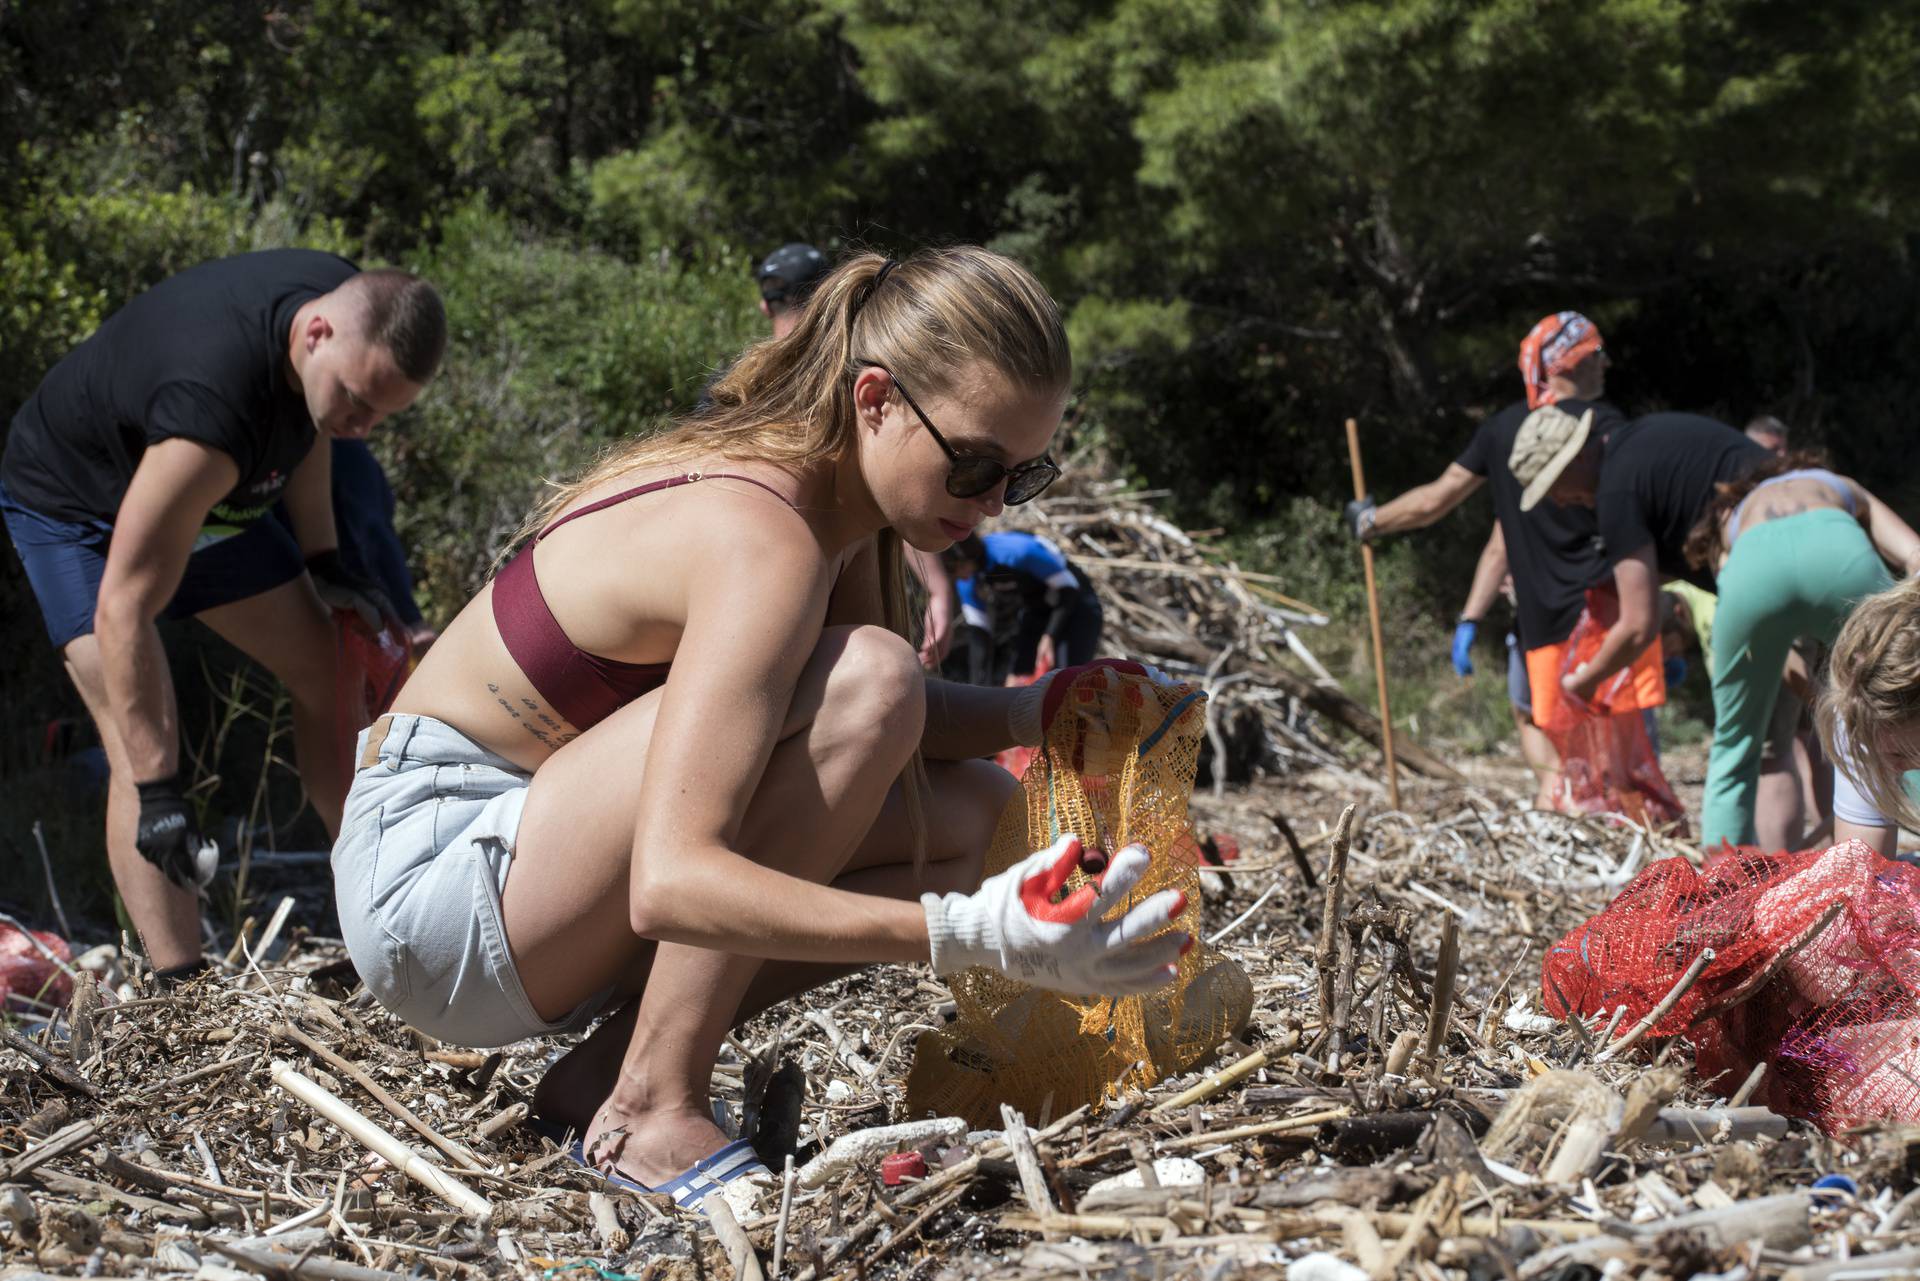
(873, 287)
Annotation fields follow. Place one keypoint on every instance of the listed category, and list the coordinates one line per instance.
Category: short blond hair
(1873, 686)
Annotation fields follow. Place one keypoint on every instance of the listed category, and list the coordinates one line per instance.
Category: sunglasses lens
(1029, 482)
(972, 477)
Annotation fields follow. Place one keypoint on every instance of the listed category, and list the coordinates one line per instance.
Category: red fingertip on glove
(1188, 945)
(1037, 891)
(1179, 905)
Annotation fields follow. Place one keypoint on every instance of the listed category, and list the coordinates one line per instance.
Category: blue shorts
(1519, 693)
(65, 559)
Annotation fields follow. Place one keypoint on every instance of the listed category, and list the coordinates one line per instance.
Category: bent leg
(857, 713)
(166, 916)
(963, 810)
(287, 631)
(1752, 632)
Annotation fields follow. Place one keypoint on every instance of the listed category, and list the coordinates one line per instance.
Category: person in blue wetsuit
(1033, 596)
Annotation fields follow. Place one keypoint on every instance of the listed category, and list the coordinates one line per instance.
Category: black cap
(789, 274)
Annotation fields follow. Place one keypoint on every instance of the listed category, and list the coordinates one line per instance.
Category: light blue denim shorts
(424, 848)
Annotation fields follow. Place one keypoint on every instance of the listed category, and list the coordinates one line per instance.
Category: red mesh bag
(26, 973)
(1833, 1006)
(1607, 762)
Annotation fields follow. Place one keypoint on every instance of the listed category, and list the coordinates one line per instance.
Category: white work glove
(1012, 924)
(1031, 711)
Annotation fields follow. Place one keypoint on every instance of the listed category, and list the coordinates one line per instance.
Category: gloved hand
(1012, 924)
(168, 836)
(1463, 633)
(341, 588)
(1034, 706)
(1674, 669)
(1360, 514)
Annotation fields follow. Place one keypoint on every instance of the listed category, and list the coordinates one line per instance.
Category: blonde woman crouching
(1869, 718)
(682, 733)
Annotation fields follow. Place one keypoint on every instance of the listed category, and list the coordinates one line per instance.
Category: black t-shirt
(202, 355)
(1553, 552)
(1657, 476)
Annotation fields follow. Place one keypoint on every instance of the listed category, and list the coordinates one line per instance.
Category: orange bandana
(1554, 346)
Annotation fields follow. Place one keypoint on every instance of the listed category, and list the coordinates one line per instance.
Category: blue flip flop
(688, 1188)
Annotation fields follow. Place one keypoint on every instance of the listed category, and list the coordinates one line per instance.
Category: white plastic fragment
(865, 1147)
(1170, 1171)
(1320, 1266)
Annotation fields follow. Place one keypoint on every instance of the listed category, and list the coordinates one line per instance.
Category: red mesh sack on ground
(1607, 762)
(1816, 972)
(25, 972)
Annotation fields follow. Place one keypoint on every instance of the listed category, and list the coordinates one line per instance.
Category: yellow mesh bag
(1113, 785)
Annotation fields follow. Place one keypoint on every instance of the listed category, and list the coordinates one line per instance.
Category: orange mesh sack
(1831, 1005)
(1045, 1053)
(1607, 762)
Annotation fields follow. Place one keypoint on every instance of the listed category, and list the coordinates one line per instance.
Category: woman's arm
(755, 605)
(1892, 537)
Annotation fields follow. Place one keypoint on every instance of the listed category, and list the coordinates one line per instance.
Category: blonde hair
(790, 400)
(1873, 685)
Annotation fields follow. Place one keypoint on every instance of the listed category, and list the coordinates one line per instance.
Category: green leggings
(1795, 576)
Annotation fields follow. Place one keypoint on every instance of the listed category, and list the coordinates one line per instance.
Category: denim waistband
(400, 737)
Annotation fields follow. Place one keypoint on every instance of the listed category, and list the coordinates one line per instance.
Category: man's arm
(309, 500)
(1424, 504)
(1636, 579)
(1486, 576)
(177, 482)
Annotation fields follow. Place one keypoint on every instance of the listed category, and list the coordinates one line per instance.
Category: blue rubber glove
(1463, 633)
(1674, 669)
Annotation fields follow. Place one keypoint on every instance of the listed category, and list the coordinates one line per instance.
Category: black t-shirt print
(1553, 552)
(202, 356)
(1656, 478)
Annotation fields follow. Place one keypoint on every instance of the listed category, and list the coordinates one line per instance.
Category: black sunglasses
(971, 475)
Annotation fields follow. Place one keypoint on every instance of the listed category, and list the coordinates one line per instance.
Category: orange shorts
(1645, 684)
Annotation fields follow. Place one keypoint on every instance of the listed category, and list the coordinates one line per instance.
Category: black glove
(169, 837)
(1359, 514)
(341, 588)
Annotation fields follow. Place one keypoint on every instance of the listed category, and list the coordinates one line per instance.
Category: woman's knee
(875, 690)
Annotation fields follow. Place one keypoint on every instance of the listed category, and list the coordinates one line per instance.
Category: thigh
(567, 886)
(64, 562)
(238, 568)
(285, 629)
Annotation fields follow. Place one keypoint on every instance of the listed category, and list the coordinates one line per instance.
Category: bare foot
(650, 1147)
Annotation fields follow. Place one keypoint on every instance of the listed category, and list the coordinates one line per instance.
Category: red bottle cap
(901, 1166)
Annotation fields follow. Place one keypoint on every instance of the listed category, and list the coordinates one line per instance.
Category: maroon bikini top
(585, 688)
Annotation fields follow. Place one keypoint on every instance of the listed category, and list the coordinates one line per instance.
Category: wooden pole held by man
(1373, 617)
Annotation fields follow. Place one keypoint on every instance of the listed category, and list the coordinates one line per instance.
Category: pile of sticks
(1395, 1107)
(1174, 599)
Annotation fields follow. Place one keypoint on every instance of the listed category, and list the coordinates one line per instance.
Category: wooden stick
(460, 1155)
(746, 1264)
(1330, 912)
(1033, 1183)
(506, 1118)
(1445, 973)
(1307, 1122)
(1373, 616)
(786, 1216)
(1658, 1012)
(1215, 1083)
(396, 1153)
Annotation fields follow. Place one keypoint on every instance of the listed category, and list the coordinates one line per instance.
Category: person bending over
(681, 733)
(1552, 554)
(1043, 608)
(136, 486)
(1795, 548)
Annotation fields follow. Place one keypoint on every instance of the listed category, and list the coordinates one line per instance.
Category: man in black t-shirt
(1648, 483)
(1553, 555)
(135, 486)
